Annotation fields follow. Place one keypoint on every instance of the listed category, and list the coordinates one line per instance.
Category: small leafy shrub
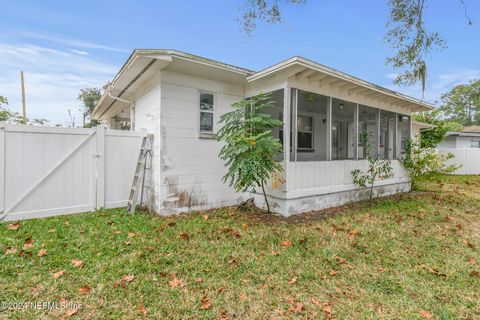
(250, 148)
(425, 163)
(378, 169)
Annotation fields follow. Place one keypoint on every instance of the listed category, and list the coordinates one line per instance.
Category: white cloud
(69, 41)
(53, 79)
(436, 85)
(80, 52)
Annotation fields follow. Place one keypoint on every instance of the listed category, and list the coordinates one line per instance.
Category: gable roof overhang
(301, 68)
(143, 64)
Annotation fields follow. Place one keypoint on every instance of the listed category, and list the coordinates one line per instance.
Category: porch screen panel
(311, 126)
(343, 129)
(387, 146)
(276, 112)
(367, 131)
(403, 134)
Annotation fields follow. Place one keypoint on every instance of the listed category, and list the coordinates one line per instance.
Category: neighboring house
(465, 146)
(180, 97)
(469, 137)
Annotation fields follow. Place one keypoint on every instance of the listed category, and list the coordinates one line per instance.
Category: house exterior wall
(187, 172)
(190, 169)
(450, 142)
(147, 117)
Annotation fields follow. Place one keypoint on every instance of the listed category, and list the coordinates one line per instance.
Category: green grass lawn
(411, 256)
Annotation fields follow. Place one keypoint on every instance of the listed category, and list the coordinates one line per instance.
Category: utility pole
(24, 107)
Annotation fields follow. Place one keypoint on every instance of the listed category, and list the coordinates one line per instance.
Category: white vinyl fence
(468, 158)
(46, 171)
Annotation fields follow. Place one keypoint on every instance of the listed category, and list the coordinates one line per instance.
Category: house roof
(144, 63)
(423, 125)
(472, 129)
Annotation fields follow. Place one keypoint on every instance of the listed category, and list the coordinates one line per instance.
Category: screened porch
(327, 138)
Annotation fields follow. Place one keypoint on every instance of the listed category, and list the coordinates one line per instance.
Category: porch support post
(355, 133)
(2, 168)
(396, 149)
(288, 170)
(329, 129)
(286, 124)
(294, 124)
(379, 123)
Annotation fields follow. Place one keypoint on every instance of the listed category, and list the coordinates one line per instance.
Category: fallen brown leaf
(28, 243)
(42, 252)
(77, 263)
(128, 278)
(436, 272)
(11, 250)
(184, 236)
(471, 261)
(206, 303)
(232, 261)
(425, 314)
(298, 307)
(13, 226)
(243, 297)
(315, 301)
(286, 243)
(174, 281)
(71, 312)
(341, 260)
(58, 274)
(205, 217)
(327, 309)
(475, 274)
(293, 280)
(142, 308)
(131, 234)
(51, 230)
(84, 290)
(244, 226)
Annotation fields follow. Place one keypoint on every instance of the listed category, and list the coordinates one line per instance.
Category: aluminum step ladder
(139, 178)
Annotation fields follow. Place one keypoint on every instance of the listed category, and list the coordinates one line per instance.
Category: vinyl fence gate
(47, 171)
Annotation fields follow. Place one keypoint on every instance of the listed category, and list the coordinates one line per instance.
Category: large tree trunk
(265, 196)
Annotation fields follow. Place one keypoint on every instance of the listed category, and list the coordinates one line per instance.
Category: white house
(469, 137)
(179, 98)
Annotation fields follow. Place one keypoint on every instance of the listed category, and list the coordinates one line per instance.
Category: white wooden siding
(191, 171)
(147, 119)
(48, 171)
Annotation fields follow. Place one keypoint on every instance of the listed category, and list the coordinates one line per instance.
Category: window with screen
(207, 101)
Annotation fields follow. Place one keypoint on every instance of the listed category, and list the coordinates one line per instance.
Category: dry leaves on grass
(293, 280)
(84, 290)
(28, 243)
(474, 274)
(206, 303)
(42, 252)
(243, 297)
(426, 314)
(205, 217)
(13, 226)
(174, 281)
(71, 312)
(435, 271)
(77, 263)
(11, 250)
(143, 309)
(286, 243)
(123, 283)
(58, 274)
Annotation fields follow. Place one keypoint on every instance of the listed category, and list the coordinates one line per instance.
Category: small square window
(207, 101)
(475, 144)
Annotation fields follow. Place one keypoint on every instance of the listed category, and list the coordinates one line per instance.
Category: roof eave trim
(315, 66)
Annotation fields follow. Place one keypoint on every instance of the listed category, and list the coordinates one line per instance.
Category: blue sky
(63, 46)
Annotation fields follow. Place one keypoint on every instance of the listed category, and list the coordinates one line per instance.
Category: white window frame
(311, 132)
(477, 141)
(200, 92)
